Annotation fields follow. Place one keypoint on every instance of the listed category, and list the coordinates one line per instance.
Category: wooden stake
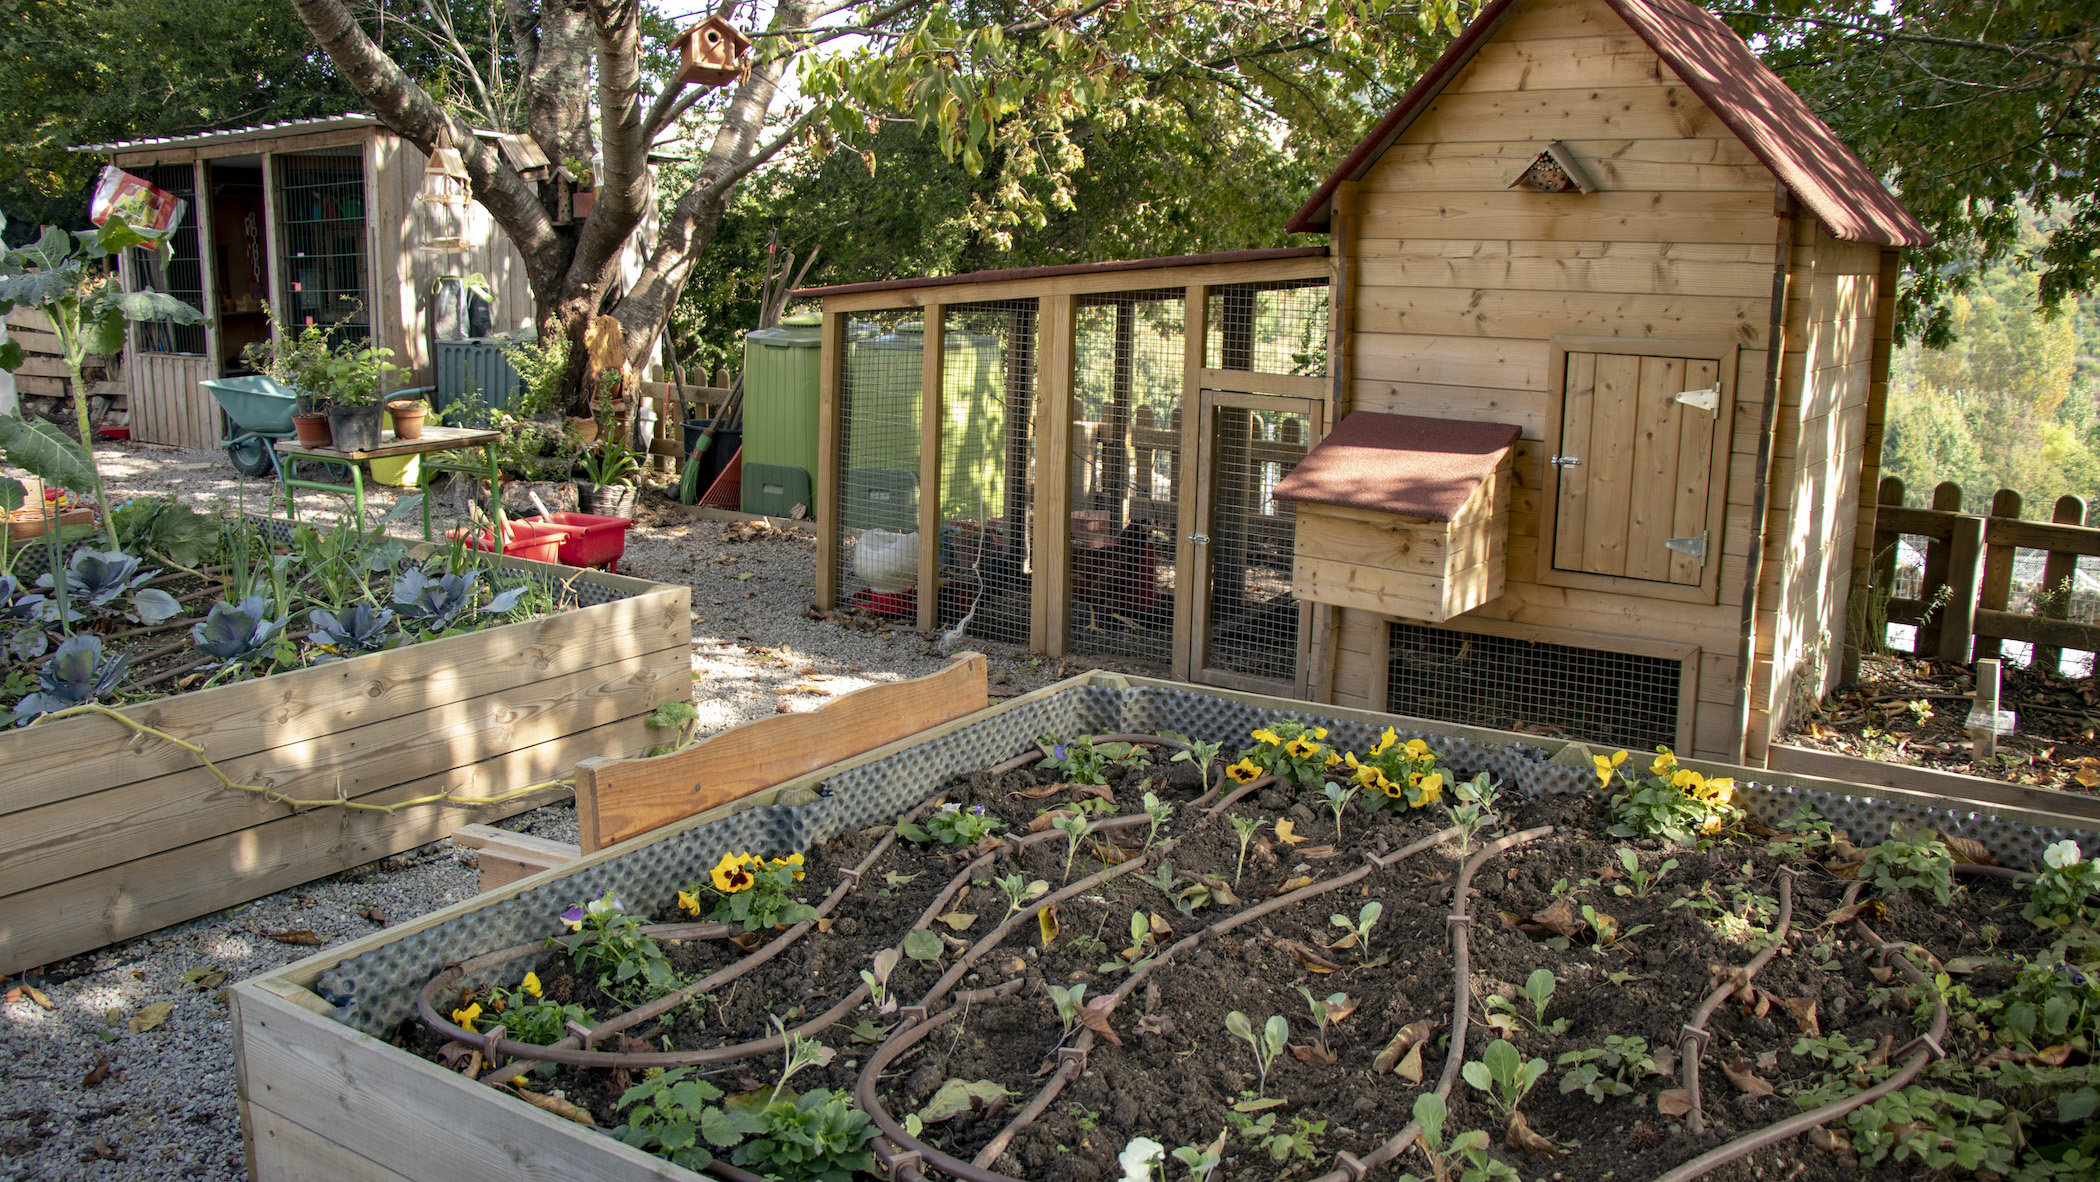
(1986, 711)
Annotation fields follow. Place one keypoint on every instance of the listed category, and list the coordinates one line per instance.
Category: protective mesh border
(374, 992)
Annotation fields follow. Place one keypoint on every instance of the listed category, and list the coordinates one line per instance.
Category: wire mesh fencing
(987, 394)
(879, 398)
(1127, 389)
(1278, 327)
(1253, 627)
(182, 276)
(1607, 698)
(321, 225)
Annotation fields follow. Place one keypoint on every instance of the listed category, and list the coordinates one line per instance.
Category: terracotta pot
(312, 427)
(586, 428)
(408, 419)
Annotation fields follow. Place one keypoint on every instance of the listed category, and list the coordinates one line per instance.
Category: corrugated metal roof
(1762, 111)
(1182, 260)
(232, 135)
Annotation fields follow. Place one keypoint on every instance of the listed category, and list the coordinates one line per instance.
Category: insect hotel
(1565, 431)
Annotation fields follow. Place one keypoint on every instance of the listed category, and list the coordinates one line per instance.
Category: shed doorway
(1247, 632)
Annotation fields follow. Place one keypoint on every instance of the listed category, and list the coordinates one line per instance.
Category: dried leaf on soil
(1560, 919)
(1410, 1068)
(303, 937)
(29, 991)
(1803, 1011)
(1094, 1016)
(1674, 1102)
(1825, 1139)
(1284, 834)
(151, 1017)
(957, 920)
(957, 1096)
(1740, 1073)
(557, 1106)
(1043, 823)
(1309, 958)
(1522, 1137)
(1969, 851)
(1314, 1055)
(96, 1074)
(1046, 922)
(1411, 1035)
(1291, 884)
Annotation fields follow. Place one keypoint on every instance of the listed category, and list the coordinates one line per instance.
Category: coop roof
(1762, 111)
(1184, 260)
(1402, 464)
(235, 134)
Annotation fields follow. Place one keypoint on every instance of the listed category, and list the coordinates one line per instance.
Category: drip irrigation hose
(1927, 1049)
(1695, 1033)
(729, 1173)
(1262, 781)
(1459, 922)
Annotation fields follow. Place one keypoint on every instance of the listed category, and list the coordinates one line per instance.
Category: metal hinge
(1708, 400)
(1199, 539)
(1691, 547)
(1566, 461)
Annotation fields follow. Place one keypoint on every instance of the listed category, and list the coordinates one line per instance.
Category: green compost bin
(882, 445)
(781, 366)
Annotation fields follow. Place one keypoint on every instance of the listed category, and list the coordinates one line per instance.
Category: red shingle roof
(1404, 464)
(1762, 111)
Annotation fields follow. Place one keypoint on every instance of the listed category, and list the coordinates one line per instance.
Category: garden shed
(317, 217)
(1603, 329)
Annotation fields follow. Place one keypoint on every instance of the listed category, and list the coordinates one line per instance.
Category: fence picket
(1996, 591)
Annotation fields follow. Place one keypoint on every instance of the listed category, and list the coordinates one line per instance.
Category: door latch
(1199, 539)
(1566, 461)
(1691, 547)
(1708, 400)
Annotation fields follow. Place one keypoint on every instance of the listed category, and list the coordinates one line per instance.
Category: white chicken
(887, 561)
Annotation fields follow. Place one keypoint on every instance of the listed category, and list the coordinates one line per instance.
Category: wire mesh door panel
(183, 274)
(880, 400)
(1248, 630)
(1129, 363)
(1276, 327)
(321, 227)
(987, 392)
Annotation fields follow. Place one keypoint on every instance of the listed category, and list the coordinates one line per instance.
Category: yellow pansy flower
(1689, 781)
(1319, 732)
(1416, 749)
(1246, 771)
(1430, 790)
(1267, 736)
(1333, 758)
(1720, 790)
(465, 1018)
(1350, 759)
(733, 873)
(1385, 742)
(531, 984)
(794, 860)
(1299, 748)
(1665, 763)
(690, 904)
(1606, 765)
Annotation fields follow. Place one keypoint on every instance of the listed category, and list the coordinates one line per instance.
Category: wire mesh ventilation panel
(1614, 699)
(322, 228)
(182, 277)
(879, 399)
(1128, 370)
(1253, 626)
(1278, 327)
(987, 389)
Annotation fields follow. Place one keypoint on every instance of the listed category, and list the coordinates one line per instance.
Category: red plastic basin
(521, 539)
(588, 539)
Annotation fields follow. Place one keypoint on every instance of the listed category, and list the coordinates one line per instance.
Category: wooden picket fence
(1966, 590)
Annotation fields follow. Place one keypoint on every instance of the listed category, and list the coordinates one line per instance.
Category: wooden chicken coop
(1565, 431)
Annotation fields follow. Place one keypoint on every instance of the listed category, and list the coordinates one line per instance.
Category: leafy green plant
(74, 676)
(752, 891)
(1475, 808)
(530, 1017)
(606, 939)
(1157, 811)
(1267, 1043)
(2057, 898)
(664, 1116)
(1019, 891)
(1140, 936)
(1474, 1162)
(1670, 801)
(1291, 751)
(1941, 1130)
(1503, 1075)
(1643, 880)
(1395, 774)
(1911, 860)
(681, 719)
(877, 979)
(2050, 1002)
(1834, 1049)
(1538, 991)
(954, 825)
(818, 1136)
(1359, 929)
(540, 364)
(1075, 828)
(1608, 1070)
(1198, 891)
(1199, 755)
(1338, 799)
(1080, 761)
(237, 633)
(1244, 828)
(1605, 930)
(609, 463)
(1067, 1000)
(1280, 1144)
(1326, 1012)
(924, 947)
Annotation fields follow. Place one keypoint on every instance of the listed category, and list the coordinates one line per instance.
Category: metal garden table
(433, 439)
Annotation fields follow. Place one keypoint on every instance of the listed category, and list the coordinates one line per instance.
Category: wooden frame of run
(1724, 355)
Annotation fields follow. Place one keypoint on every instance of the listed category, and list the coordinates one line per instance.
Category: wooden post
(1021, 380)
(207, 274)
(1188, 421)
(1946, 497)
(1050, 594)
(1115, 450)
(831, 356)
(931, 380)
(1996, 590)
(1964, 575)
(2061, 565)
(1986, 711)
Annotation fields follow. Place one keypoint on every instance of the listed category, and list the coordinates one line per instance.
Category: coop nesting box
(1402, 515)
(711, 53)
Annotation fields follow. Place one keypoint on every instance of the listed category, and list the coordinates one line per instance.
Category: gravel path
(161, 1101)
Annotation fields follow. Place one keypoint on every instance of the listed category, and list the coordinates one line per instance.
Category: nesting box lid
(712, 52)
(1401, 464)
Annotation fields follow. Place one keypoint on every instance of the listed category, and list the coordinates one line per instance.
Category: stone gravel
(164, 1107)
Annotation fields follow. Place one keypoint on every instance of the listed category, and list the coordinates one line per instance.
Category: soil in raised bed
(1176, 1079)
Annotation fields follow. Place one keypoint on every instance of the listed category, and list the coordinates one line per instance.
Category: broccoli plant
(74, 676)
(359, 629)
(237, 633)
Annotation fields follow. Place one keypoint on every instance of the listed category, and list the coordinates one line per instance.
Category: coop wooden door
(1246, 631)
(1636, 478)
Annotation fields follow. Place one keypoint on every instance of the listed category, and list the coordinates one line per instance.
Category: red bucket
(521, 539)
(588, 539)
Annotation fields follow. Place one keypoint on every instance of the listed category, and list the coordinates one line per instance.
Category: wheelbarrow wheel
(251, 456)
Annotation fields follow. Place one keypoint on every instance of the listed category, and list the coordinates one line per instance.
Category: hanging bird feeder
(442, 219)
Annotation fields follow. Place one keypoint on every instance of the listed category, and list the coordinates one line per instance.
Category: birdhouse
(711, 53)
(442, 220)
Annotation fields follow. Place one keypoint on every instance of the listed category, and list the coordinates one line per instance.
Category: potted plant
(353, 378)
(408, 415)
(607, 487)
(298, 358)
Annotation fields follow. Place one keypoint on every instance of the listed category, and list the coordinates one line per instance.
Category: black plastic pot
(356, 428)
(718, 452)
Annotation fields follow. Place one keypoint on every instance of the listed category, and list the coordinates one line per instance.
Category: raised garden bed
(342, 1074)
(110, 833)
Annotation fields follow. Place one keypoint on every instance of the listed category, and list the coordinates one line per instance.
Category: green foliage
(1079, 761)
(166, 528)
(924, 947)
(1643, 880)
(1359, 929)
(1938, 1129)
(610, 462)
(1267, 1043)
(664, 1116)
(1280, 1144)
(1156, 811)
(541, 364)
(680, 718)
(608, 940)
(1067, 1000)
(1291, 751)
(2051, 1002)
(755, 893)
(954, 825)
(1609, 1070)
(1503, 1075)
(2058, 897)
(1019, 890)
(1475, 808)
(1538, 991)
(1338, 798)
(537, 1020)
(44, 451)
(1075, 828)
(816, 1137)
(1911, 860)
(1670, 801)
(1244, 828)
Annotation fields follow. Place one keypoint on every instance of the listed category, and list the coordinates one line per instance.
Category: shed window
(182, 276)
(321, 226)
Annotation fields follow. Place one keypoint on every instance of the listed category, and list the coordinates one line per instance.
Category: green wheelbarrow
(258, 413)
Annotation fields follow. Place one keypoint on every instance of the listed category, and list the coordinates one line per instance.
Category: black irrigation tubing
(1262, 781)
(1459, 922)
(906, 1157)
(1927, 1048)
(1695, 1033)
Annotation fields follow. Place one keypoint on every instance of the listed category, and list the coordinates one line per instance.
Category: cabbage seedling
(1158, 810)
(1538, 990)
(1643, 880)
(1325, 1013)
(1067, 1000)
(1360, 929)
(1246, 827)
(356, 630)
(1504, 1075)
(74, 676)
(1019, 891)
(1074, 828)
(878, 980)
(1267, 1044)
(1338, 799)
